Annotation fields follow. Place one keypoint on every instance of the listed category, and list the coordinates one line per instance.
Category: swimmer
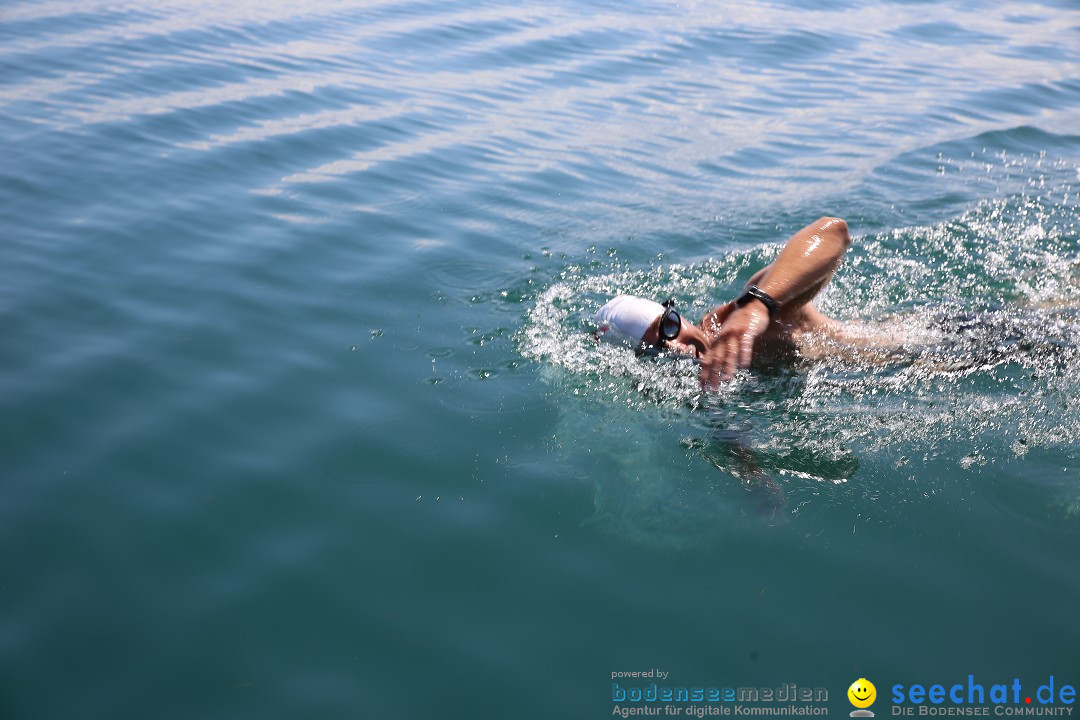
(773, 314)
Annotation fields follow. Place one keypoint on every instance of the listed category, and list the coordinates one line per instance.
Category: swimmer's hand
(731, 332)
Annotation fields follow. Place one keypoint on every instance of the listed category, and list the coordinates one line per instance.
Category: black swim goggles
(670, 322)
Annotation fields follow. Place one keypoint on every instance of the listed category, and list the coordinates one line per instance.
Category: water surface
(298, 412)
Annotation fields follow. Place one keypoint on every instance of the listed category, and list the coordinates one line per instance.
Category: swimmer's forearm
(807, 262)
(803, 267)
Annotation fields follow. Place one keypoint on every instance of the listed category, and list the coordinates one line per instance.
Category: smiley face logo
(862, 693)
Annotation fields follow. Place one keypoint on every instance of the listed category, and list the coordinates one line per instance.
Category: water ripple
(295, 303)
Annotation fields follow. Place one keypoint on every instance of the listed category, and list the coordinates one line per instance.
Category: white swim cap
(626, 318)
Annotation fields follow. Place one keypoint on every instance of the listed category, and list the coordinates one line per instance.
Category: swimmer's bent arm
(805, 265)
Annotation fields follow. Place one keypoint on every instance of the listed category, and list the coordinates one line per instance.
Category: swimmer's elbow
(838, 228)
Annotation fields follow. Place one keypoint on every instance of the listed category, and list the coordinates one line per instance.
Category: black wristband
(755, 293)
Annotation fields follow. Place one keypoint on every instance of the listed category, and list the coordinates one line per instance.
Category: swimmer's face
(680, 346)
(690, 342)
(862, 693)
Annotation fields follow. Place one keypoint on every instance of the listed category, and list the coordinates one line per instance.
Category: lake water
(298, 412)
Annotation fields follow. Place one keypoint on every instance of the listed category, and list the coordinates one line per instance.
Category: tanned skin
(729, 337)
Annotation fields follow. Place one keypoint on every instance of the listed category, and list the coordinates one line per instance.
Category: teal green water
(298, 416)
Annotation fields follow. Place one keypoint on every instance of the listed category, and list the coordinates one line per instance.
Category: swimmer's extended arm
(803, 268)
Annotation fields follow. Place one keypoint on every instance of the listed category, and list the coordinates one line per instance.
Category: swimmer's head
(647, 325)
(626, 319)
